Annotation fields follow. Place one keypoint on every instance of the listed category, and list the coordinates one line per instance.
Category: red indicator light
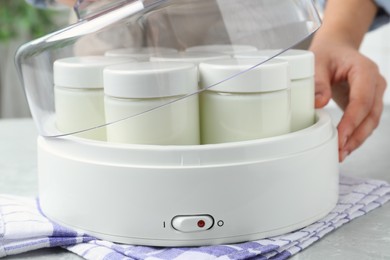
(201, 223)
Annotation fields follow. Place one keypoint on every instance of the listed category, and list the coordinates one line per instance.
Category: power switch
(192, 223)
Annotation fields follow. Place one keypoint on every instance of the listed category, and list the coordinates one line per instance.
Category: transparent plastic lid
(113, 56)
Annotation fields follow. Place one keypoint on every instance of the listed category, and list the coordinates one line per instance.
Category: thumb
(323, 92)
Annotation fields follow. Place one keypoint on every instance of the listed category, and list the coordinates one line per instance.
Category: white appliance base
(190, 195)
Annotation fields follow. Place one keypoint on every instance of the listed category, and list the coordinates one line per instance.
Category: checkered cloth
(23, 228)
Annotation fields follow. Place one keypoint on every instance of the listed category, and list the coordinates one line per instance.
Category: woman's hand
(355, 84)
(344, 74)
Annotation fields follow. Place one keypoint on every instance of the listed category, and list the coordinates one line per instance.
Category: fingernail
(344, 155)
(319, 103)
(344, 142)
(318, 96)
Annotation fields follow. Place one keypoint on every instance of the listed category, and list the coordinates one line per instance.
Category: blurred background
(20, 23)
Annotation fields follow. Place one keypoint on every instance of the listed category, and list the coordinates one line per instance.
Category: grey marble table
(367, 237)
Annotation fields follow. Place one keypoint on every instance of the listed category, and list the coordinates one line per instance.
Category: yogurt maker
(153, 132)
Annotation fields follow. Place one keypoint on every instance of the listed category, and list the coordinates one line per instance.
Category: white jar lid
(150, 79)
(83, 72)
(269, 76)
(140, 54)
(223, 48)
(193, 56)
(301, 62)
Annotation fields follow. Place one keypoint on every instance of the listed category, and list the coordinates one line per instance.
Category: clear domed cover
(124, 60)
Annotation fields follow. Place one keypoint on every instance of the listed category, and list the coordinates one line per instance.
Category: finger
(323, 91)
(362, 82)
(340, 94)
(371, 122)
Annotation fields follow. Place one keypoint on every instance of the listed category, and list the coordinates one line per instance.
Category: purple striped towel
(23, 228)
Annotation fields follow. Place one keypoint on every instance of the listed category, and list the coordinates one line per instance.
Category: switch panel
(192, 223)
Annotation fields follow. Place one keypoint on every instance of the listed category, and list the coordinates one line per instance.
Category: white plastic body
(132, 193)
(173, 124)
(302, 103)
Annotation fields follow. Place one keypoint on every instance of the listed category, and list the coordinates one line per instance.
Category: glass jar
(152, 98)
(301, 66)
(251, 105)
(78, 94)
